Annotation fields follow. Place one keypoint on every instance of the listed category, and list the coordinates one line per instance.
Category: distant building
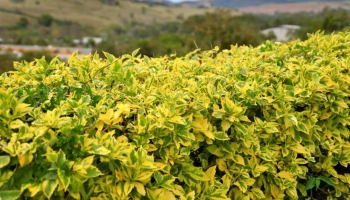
(283, 33)
(96, 40)
(88, 40)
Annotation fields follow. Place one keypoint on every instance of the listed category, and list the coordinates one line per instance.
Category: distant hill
(235, 3)
(271, 6)
(98, 14)
(249, 3)
(274, 8)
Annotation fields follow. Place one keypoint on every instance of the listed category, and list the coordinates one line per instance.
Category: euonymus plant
(270, 122)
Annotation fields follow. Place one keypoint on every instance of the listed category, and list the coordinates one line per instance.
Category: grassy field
(93, 13)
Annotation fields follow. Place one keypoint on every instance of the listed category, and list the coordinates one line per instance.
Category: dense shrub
(270, 122)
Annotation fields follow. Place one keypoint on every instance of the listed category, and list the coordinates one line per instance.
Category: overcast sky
(177, 1)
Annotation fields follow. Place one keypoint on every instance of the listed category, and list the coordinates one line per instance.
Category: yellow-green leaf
(189, 196)
(178, 120)
(211, 174)
(49, 187)
(106, 118)
(124, 188)
(10, 194)
(16, 124)
(34, 188)
(341, 103)
(258, 193)
(225, 125)
(238, 159)
(261, 168)
(155, 194)
(209, 134)
(221, 164)
(64, 180)
(298, 148)
(4, 160)
(292, 193)
(285, 174)
(25, 159)
(92, 171)
(140, 188)
(241, 185)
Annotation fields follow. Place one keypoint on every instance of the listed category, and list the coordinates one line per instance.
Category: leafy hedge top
(241, 123)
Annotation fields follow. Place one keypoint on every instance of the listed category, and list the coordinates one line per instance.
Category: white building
(283, 33)
(86, 40)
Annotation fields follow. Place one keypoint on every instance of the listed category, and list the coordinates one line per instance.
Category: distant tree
(45, 20)
(106, 46)
(22, 23)
(171, 43)
(335, 20)
(31, 55)
(147, 47)
(221, 29)
(6, 62)
(7, 59)
(111, 2)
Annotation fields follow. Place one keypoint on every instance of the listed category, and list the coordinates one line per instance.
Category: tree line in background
(218, 28)
(222, 29)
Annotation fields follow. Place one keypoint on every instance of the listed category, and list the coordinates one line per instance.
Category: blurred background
(34, 28)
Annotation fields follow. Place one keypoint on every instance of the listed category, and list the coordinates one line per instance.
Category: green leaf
(61, 158)
(221, 136)
(225, 146)
(133, 54)
(164, 181)
(51, 157)
(51, 176)
(49, 187)
(92, 172)
(326, 180)
(310, 184)
(4, 160)
(302, 127)
(10, 194)
(317, 183)
(158, 177)
(109, 56)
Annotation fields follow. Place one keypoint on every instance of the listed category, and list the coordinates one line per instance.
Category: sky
(177, 1)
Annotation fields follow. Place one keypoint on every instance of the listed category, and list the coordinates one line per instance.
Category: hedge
(270, 122)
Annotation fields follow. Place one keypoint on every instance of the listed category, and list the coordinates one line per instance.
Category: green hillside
(93, 13)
